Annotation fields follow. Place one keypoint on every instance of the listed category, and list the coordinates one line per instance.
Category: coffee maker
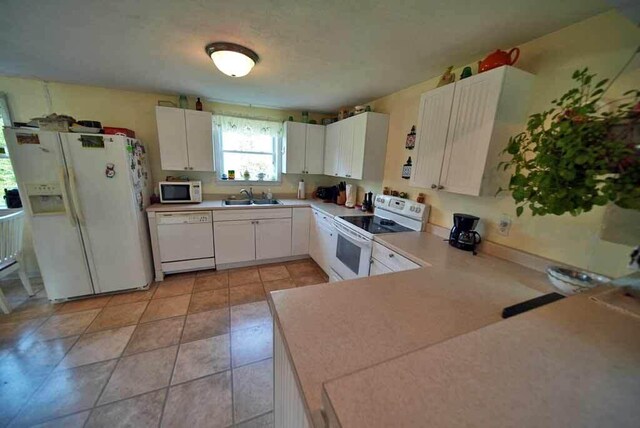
(462, 234)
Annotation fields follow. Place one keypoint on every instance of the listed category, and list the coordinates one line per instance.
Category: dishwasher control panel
(193, 217)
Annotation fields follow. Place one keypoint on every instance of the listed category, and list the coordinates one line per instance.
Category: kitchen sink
(266, 202)
(233, 202)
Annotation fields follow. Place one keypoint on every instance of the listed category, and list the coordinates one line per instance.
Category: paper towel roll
(301, 191)
(351, 196)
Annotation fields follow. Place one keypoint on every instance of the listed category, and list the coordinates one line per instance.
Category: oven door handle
(356, 238)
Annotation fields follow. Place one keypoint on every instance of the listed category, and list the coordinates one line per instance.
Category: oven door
(175, 192)
(353, 253)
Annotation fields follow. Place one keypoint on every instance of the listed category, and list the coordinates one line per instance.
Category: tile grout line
(233, 404)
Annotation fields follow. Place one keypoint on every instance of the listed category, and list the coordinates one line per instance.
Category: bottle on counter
(301, 192)
(199, 104)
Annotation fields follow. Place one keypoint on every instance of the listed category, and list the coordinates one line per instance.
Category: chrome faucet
(249, 193)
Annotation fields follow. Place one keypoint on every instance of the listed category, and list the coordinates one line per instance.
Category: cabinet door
(331, 149)
(314, 239)
(431, 138)
(377, 268)
(172, 138)
(199, 140)
(472, 119)
(234, 241)
(300, 231)
(314, 153)
(273, 238)
(293, 146)
(359, 124)
(345, 155)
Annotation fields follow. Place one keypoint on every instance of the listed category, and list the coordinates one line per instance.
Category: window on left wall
(7, 179)
(247, 146)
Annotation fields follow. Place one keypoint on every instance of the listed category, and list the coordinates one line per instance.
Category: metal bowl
(569, 281)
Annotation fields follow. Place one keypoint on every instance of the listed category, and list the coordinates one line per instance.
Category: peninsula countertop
(331, 330)
(575, 362)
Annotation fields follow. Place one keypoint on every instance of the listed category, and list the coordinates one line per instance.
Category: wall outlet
(504, 226)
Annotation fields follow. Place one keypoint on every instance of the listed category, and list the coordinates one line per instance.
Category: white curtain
(247, 126)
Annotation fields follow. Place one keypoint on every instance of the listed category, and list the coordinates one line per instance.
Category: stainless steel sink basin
(244, 202)
(266, 202)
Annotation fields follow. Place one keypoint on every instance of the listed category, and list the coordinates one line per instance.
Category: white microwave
(180, 192)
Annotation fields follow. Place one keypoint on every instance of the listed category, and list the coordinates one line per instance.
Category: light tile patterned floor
(194, 350)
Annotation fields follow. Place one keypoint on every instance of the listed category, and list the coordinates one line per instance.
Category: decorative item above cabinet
(463, 127)
(185, 138)
(356, 147)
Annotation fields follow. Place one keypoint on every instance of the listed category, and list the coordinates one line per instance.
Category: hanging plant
(578, 154)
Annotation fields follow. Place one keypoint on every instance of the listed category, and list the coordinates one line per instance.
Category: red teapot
(498, 59)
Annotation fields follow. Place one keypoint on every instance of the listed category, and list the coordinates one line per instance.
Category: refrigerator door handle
(74, 195)
(65, 196)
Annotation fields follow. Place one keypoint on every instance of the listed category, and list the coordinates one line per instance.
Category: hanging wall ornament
(406, 169)
(411, 139)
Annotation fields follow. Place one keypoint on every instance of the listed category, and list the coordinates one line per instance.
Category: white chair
(11, 253)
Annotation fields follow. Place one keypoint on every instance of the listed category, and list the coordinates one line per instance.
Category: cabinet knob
(186, 167)
(433, 186)
(390, 255)
(440, 187)
(336, 174)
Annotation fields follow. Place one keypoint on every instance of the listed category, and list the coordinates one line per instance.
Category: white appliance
(185, 240)
(355, 233)
(84, 196)
(180, 192)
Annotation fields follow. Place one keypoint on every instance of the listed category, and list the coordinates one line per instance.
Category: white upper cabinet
(303, 148)
(356, 147)
(185, 138)
(463, 127)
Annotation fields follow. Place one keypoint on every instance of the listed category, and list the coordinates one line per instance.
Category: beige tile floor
(194, 350)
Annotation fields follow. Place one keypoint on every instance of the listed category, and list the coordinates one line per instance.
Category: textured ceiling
(316, 55)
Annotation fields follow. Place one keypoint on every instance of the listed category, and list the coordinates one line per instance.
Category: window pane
(253, 163)
(247, 143)
(7, 179)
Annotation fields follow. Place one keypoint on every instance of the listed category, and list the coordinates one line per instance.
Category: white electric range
(355, 233)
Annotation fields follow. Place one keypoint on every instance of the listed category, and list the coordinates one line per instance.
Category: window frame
(5, 120)
(239, 181)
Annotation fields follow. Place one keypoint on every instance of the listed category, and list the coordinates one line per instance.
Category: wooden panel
(331, 149)
(433, 124)
(293, 146)
(199, 128)
(234, 241)
(288, 407)
(172, 138)
(314, 153)
(301, 219)
(273, 238)
(474, 108)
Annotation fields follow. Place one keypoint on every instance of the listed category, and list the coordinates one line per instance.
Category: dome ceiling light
(233, 60)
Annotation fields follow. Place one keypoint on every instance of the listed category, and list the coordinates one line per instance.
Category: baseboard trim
(260, 262)
(531, 261)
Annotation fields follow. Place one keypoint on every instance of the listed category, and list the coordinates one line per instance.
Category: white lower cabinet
(234, 241)
(273, 238)
(384, 260)
(322, 239)
(242, 236)
(300, 225)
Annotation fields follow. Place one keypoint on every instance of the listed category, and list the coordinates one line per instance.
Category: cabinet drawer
(322, 218)
(391, 259)
(251, 214)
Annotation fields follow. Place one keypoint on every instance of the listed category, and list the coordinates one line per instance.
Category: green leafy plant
(579, 154)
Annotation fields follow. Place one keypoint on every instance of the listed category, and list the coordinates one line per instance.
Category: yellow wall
(29, 98)
(603, 43)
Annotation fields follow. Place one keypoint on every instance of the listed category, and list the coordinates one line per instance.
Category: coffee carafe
(462, 234)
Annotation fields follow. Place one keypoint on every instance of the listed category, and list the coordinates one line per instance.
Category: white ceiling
(316, 55)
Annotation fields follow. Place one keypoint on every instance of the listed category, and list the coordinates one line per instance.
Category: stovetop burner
(375, 224)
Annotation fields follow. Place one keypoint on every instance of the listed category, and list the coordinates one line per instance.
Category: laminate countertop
(328, 208)
(332, 330)
(574, 363)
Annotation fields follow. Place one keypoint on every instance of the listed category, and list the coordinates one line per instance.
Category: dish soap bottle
(269, 194)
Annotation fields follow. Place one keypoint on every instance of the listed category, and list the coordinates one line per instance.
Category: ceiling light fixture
(233, 60)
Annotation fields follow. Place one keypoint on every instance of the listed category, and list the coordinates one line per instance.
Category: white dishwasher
(185, 240)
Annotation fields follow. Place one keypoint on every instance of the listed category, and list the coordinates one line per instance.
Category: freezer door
(100, 176)
(42, 179)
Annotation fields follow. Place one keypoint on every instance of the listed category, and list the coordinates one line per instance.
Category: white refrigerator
(84, 196)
